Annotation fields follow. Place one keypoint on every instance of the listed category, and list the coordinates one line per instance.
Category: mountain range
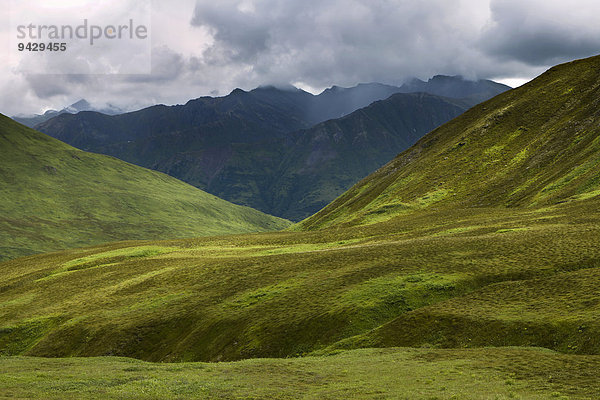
(81, 105)
(275, 149)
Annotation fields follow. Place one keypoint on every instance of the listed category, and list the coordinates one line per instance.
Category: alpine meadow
(467, 267)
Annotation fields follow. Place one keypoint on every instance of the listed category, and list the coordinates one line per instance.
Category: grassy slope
(53, 196)
(415, 374)
(290, 293)
(532, 146)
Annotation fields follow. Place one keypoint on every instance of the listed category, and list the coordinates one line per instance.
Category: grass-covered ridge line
(53, 196)
(533, 146)
(399, 373)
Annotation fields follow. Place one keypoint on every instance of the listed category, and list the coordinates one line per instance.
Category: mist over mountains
(81, 105)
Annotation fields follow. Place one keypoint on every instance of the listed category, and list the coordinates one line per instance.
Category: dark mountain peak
(447, 78)
(457, 87)
(358, 88)
(280, 88)
(81, 105)
(237, 92)
(337, 101)
(268, 92)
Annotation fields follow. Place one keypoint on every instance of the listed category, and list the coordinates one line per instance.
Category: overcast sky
(209, 47)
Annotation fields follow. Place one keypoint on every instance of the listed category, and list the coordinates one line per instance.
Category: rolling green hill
(292, 293)
(484, 234)
(53, 196)
(533, 146)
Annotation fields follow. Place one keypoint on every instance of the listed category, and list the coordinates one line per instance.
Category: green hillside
(533, 146)
(53, 196)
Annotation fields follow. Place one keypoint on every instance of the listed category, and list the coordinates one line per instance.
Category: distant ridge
(78, 106)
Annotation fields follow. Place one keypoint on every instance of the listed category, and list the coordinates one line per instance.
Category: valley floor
(469, 304)
(399, 373)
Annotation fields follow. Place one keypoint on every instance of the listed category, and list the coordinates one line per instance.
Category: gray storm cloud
(339, 41)
(540, 32)
(347, 41)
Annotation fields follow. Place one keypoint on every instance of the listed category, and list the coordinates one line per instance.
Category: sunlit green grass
(398, 373)
(450, 279)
